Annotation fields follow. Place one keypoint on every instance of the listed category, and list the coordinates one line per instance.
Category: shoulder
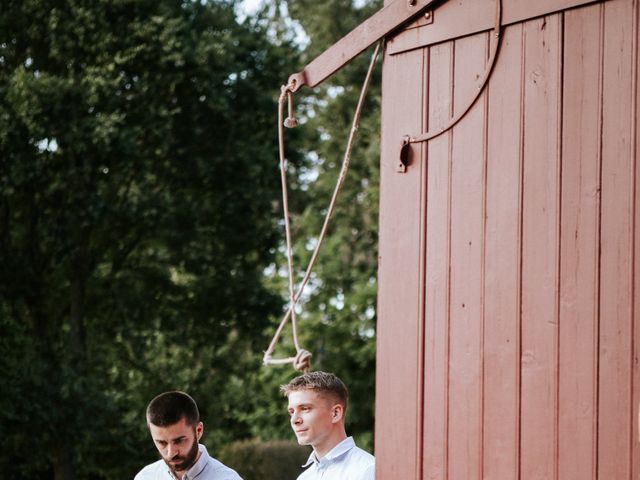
(222, 471)
(150, 472)
(368, 472)
(362, 464)
(307, 473)
(361, 456)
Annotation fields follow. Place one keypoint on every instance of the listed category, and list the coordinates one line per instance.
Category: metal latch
(405, 152)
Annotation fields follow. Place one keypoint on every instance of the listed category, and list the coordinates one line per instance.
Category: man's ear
(199, 430)
(337, 413)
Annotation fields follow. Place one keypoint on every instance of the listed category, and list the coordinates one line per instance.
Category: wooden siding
(477, 17)
(509, 273)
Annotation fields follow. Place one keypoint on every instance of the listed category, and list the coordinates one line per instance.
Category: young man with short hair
(174, 423)
(317, 406)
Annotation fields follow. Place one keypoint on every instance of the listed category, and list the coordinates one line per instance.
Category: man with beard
(317, 407)
(174, 423)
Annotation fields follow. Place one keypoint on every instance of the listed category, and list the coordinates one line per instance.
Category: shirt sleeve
(144, 474)
(369, 473)
(231, 474)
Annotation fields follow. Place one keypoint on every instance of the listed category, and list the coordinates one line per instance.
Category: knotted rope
(302, 360)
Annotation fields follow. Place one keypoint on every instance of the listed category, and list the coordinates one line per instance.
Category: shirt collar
(197, 467)
(336, 452)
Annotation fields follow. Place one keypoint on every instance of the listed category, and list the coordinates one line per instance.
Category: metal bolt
(427, 15)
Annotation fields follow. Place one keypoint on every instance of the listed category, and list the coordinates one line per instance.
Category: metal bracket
(424, 19)
(428, 16)
(407, 140)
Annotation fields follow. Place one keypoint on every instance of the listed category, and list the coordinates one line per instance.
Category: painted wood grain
(579, 244)
(398, 388)
(466, 263)
(466, 17)
(436, 414)
(614, 425)
(508, 282)
(635, 130)
(502, 263)
(540, 233)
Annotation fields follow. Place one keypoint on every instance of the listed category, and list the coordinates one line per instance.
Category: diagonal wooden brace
(376, 27)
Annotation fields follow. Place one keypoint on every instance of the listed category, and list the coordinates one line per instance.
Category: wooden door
(507, 346)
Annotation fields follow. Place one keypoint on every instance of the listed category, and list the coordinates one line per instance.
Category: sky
(250, 6)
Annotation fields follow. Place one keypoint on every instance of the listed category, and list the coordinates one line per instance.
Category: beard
(181, 463)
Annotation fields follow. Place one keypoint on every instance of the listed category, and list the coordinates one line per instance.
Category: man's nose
(295, 419)
(172, 451)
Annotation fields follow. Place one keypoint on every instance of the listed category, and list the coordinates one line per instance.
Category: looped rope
(302, 360)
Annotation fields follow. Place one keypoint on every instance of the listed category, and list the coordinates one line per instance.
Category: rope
(302, 360)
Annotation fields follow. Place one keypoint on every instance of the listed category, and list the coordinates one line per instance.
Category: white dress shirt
(345, 461)
(206, 468)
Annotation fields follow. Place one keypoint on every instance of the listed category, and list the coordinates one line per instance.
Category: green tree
(138, 184)
(340, 311)
(337, 323)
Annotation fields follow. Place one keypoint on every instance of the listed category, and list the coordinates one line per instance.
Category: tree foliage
(337, 320)
(270, 460)
(140, 231)
(137, 195)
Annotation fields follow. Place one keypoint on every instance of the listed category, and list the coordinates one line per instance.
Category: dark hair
(321, 382)
(170, 407)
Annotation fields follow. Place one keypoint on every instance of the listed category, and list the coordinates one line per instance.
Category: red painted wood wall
(509, 274)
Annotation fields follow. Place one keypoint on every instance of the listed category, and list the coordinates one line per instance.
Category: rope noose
(302, 360)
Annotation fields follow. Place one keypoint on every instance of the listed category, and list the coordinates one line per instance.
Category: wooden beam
(376, 27)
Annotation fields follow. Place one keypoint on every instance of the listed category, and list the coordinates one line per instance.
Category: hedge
(269, 460)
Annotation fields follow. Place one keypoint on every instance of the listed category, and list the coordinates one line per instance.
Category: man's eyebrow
(181, 437)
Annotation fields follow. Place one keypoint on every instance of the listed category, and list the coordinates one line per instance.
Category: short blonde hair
(322, 382)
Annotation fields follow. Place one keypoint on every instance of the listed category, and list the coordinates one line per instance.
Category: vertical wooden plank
(635, 131)
(398, 428)
(502, 263)
(467, 223)
(437, 266)
(540, 248)
(398, 388)
(616, 308)
(579, 244)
